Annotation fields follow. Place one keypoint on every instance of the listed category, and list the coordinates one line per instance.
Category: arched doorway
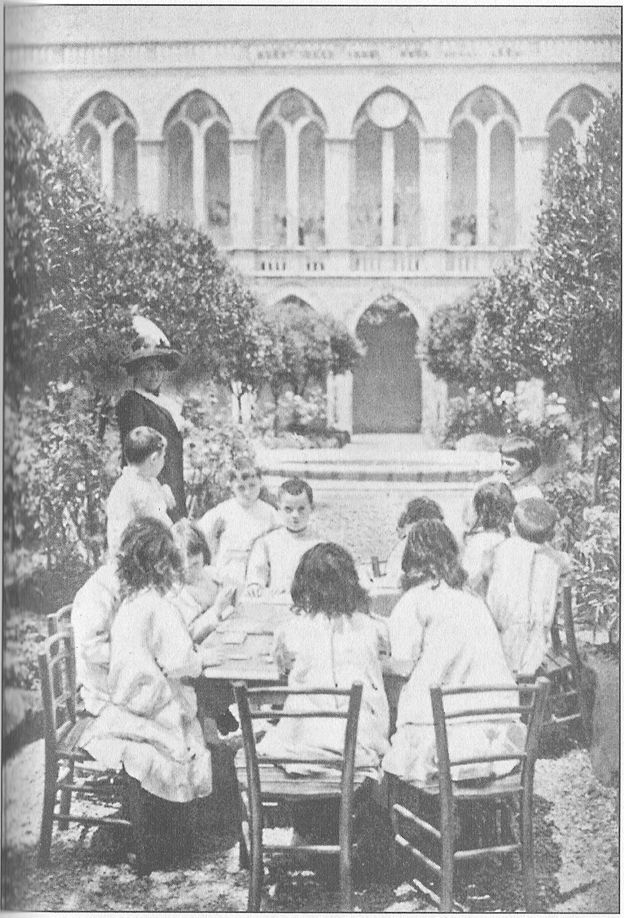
(387, 379)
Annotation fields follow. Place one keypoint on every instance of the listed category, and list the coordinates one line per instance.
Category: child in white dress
(150, 727)
(274, 557)
(332, 642)
(137, 492)
(524, 587)
(441, 634)
(494, 506)
(233, 525)
(420, 508)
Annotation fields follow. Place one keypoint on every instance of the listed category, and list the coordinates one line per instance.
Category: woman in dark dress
(144, 405)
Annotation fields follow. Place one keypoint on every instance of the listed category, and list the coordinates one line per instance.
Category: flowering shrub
(500, 415)
(211, 444)
(597, 582)
(57, 476)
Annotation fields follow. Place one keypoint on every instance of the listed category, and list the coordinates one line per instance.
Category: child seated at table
(494, 506)
(520, 460)
(442, 634)
(137, 492)
(201, 600)
(274, 557)
(522, 595)
(150, 727)
(233, 525)
(420, 508)
(332, 642)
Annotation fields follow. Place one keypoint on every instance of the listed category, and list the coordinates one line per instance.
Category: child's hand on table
(211, 656)
(253, 590)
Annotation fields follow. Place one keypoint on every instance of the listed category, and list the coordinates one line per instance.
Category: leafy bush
(500, 416)
(211, 444)
(597, 580)
(57, 476)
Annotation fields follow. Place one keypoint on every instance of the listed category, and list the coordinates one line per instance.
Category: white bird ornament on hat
(150, 332)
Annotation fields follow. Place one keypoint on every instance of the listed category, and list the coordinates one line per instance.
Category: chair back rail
(59, 620)
(253, 771)
(57, 671)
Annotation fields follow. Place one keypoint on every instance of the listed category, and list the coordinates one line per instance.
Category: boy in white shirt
(274, 557)
(137, 492)
(232, 526)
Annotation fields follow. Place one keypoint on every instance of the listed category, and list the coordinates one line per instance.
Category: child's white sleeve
(406, 633)
(259, 566)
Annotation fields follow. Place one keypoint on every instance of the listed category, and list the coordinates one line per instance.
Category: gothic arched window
(105, 135)
(484, 132)
(570, 118)
(290, 178)
(19, 106)
(197, 150)
(385, 173)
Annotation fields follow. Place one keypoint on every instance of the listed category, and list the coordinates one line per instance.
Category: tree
(306, 346)
(577, 261)
(556, 314)
(76, 272)
(57, 255)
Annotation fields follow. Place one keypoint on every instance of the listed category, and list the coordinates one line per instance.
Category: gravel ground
(576, 828)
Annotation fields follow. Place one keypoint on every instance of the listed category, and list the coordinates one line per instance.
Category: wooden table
(249, 659)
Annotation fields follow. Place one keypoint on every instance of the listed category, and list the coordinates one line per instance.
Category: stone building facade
(370, 163)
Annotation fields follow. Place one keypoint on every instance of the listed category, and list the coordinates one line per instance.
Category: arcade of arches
(387, 169)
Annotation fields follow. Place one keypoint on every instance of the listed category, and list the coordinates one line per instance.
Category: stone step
(372, 472)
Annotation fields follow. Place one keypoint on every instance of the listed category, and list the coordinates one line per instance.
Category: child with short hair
(420, 508)
(150, 727)
(137, 492)
(522, 595)
(494, 506)
(233, 525)
(520, 459)
(274, 557)
(333, 642)
(441, 633)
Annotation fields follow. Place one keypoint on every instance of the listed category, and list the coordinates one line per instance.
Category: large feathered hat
(150, 342)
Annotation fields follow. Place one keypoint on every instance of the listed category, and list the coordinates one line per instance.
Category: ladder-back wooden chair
(445, 797)
(568, 702)
(263, 784)
(68, 769)
(60, 620)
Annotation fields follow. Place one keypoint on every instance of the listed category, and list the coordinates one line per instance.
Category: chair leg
(447, 864)
(345, 831)
(529, 884)
(66, 796)
(47, 814)
(256, 875)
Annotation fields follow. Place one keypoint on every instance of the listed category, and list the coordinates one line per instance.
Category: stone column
(108, 162)
(292, 188)
(242, 150)
(483, 187)
(387, 188)
(343, 401)
(199, 178)
(433, 398)
(337, 185)
(149, 171)
(434, 184)
(533, 153)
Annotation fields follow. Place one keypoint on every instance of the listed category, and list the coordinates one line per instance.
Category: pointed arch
(197, 133)
(484, 131)
(385, 171)
(570, 117)
(20, 106)
(105, 130)
(290, 172)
